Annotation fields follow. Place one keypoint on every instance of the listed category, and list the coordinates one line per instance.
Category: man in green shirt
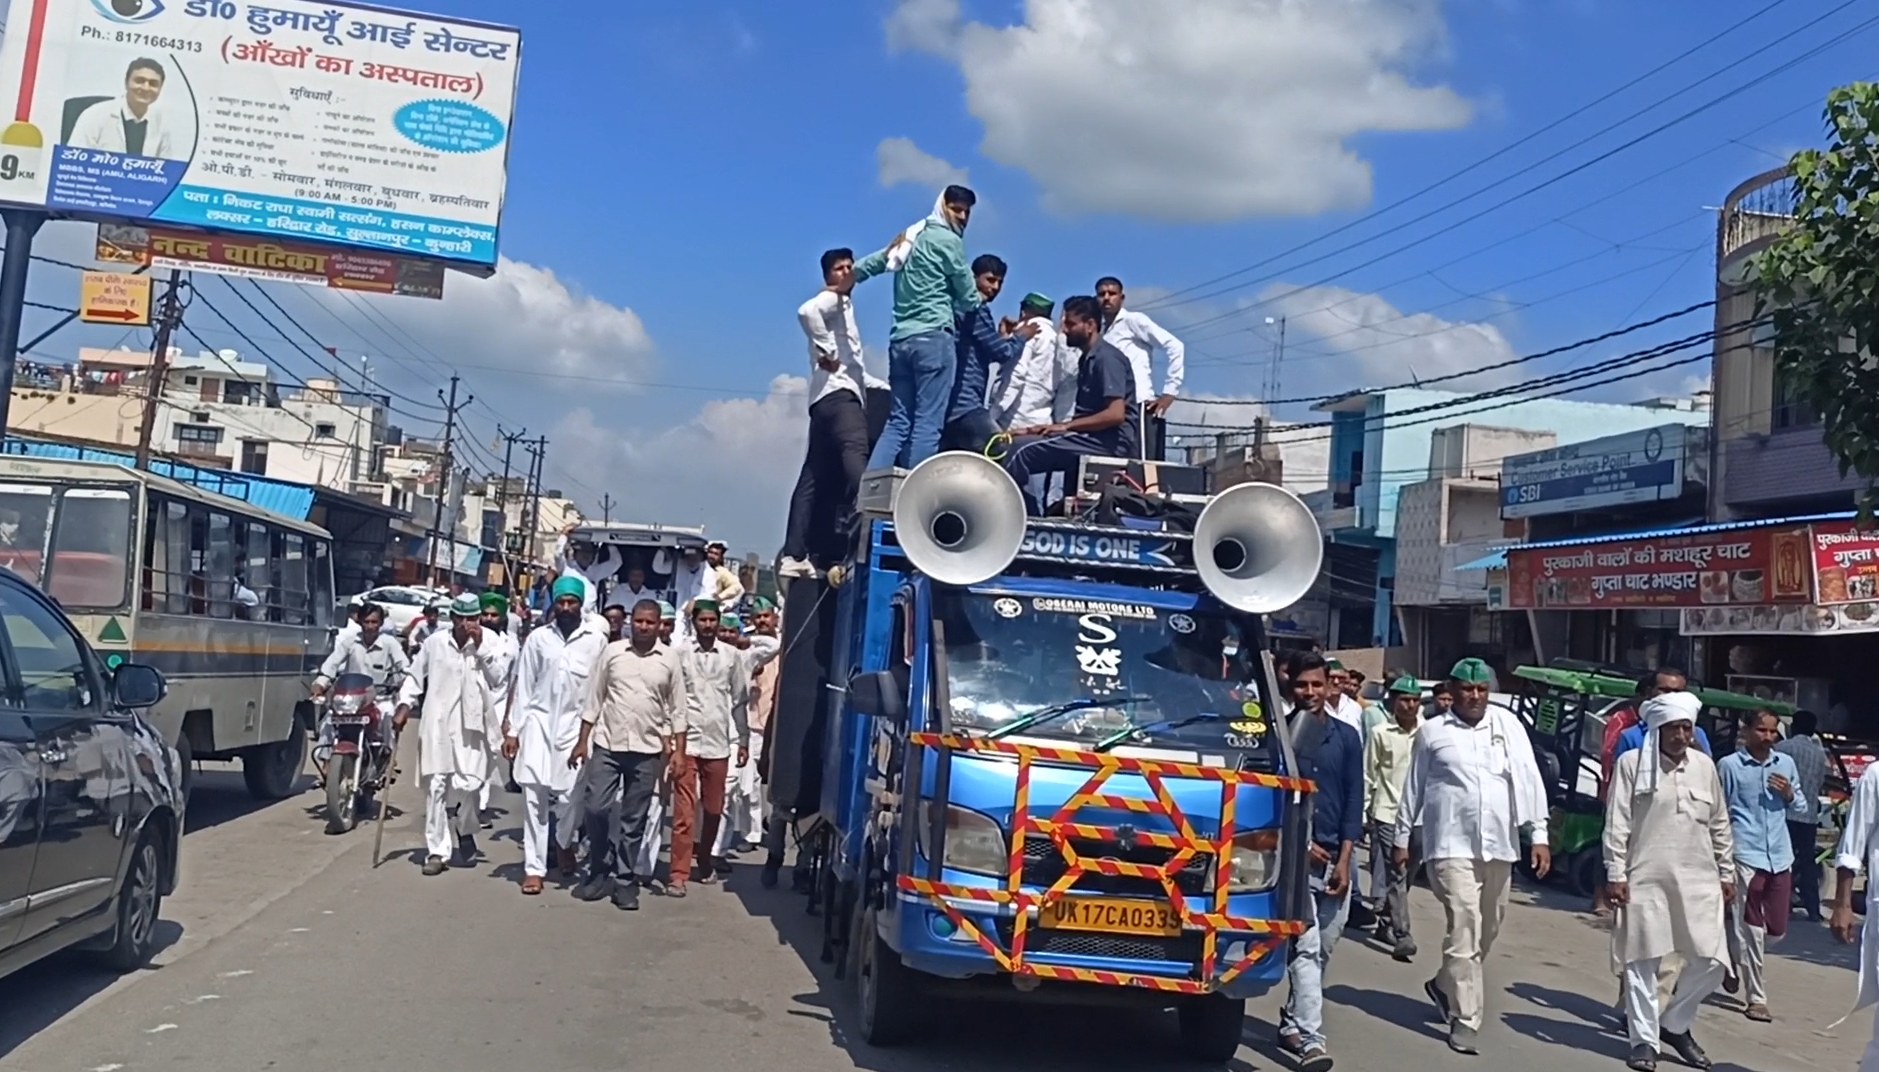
(933, 288)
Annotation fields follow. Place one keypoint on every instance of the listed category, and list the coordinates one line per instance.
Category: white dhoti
(654, 839)
(442, 792)
(539, 802)
(743, 803)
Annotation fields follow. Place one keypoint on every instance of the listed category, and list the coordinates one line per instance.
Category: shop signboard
(1846, 563)
(278, 261)
(316, 120)
(1785, 620)
(1633, 467)
(1746, 567)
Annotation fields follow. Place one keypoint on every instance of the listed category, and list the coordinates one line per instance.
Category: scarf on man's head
(902, 248)
(1656, 713)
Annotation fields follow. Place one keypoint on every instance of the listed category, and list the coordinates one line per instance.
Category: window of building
(254, 456)
(325, 430)
(1791, 410)
(189, 381)
(238, 392)
(200, 416)
(198, 433)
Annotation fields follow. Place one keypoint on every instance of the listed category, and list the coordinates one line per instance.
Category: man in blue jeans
(1331, 754)
(969, 424)
(932, 290)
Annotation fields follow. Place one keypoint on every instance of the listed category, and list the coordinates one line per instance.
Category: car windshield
(1175, 679)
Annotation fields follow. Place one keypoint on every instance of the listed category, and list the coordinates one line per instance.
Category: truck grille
(1185, 949)
(1044, 865)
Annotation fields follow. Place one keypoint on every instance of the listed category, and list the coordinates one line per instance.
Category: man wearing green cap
(544, 722)
(1473, 785)
(743, 796)
(1386, 766)
(1039, 387)
(458, 739)
(500, 648)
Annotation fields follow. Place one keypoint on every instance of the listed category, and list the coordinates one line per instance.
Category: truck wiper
(1122, 735)
(1045, 714)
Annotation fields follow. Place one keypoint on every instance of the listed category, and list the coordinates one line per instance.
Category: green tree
(1819, 281)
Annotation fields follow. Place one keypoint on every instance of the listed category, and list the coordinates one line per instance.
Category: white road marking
(234, 974)
(107, 1068)
(200, 998)
(159, 1029)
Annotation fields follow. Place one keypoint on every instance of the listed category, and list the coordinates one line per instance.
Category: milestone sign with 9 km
(329, 122)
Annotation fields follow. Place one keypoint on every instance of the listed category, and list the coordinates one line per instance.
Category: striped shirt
(1810, 760)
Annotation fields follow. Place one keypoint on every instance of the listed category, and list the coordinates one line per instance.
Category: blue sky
(676, 169)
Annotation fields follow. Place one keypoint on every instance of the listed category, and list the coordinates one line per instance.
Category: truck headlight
(974, 840)
(1255, 865)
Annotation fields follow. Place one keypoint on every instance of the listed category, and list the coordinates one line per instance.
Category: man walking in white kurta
(552, 682)
(743, 796)
(1671, 861)
(1472, 785)
(1859, 848)
(457, 740)
(500, 649)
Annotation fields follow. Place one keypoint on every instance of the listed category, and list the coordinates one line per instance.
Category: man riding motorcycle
(370, 651)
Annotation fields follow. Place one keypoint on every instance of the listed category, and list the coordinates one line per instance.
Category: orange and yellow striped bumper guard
(1184, 844)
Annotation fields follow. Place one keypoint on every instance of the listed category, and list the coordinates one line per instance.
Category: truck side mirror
(878, 694)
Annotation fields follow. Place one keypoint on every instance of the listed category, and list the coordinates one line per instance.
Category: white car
(401, 602)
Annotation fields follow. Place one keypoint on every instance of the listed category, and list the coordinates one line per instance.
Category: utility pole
(169, 315)
(447, 473)
(502, 502)
(1273, 371)
(606, 508)
(538, 450)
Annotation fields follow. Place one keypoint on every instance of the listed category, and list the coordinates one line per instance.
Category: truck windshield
(1182, 679)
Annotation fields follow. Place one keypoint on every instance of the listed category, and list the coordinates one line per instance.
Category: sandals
(532, 885)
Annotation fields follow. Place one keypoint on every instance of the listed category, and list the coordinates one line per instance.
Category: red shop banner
(1752, 566)
(1846, 563)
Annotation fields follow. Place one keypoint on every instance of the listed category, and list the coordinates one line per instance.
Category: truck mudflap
(1185, 844)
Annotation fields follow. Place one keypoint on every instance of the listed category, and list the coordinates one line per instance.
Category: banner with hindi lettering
(1736, 566)
(324, 122)
(280, 261)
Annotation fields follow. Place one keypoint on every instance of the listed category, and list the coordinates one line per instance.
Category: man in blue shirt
(1761, 785)
(1330, 753)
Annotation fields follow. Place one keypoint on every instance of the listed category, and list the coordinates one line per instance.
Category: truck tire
(139, 906)
(1211, 1026)
(886, 994)
(273, 770)
(342, 794)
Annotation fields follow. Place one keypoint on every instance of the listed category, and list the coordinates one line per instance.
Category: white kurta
(1859, 848)
(499, 655)
(552, 681)
(1674, 849)
(461, 724)
(717, 698)
(1471, 789)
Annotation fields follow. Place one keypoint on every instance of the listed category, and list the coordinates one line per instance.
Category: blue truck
(1051, 765)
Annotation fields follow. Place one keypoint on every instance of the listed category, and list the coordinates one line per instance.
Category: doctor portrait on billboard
(134, 122)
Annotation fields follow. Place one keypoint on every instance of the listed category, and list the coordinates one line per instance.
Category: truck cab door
(20, 805)
(84, 783)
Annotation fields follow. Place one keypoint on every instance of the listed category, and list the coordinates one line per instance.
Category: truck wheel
(139, 905)
(885, 987)
(342, 794)
(271, 770)
(1210, 1027)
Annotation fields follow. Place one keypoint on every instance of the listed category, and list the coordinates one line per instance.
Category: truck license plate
(1111, 915)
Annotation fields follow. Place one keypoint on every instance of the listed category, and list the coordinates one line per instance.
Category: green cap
(666, 613)
(760, 604)
(704, 604)
(1472, 670)
(1332, 664)
(731, 621)
(495, 601)
(569, 585)
(1406, 685)
(466, 606)
(1034, 300)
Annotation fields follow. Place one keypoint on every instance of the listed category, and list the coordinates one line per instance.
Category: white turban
(1658, 712)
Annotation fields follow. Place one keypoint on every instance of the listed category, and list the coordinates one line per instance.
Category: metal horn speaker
(959, 518)
(1258, 548)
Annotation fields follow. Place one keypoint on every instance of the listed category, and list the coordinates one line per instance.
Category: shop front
(1787, 609)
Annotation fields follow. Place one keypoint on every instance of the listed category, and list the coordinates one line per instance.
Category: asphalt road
(287, 950)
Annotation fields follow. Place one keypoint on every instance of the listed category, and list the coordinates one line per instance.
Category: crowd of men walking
(614, 713)
(1037, 396)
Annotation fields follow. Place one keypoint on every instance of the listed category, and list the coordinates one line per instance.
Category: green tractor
(1565, 711)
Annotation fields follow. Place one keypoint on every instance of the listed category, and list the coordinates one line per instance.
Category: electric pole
(169, 315)
(538, 450)
(509, 440)
(606, 508)
(447, 471)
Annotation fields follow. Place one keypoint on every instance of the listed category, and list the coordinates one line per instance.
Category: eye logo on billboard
(129, 11)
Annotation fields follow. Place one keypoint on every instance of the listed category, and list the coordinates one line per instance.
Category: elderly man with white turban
(1671, 861)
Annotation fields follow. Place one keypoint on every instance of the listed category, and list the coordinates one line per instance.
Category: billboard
(1634, 467)
(322, 121)
(1846, 563)
(1737, 567)
(261, 258)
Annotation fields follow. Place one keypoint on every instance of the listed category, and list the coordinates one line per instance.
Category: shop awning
(1686, 530)
(1494, 559)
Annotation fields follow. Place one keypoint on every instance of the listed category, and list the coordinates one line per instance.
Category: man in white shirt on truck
(1137, 336)
(838, 417)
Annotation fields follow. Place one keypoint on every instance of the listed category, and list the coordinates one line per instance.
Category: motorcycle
(361, 763)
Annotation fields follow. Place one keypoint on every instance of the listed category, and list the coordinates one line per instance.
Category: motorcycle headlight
(974, 841)
(1255, 865)
(348, 703)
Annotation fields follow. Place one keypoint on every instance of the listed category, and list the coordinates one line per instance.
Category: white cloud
(900, 160)
(1351, 340)
(1191, 110)
(730, 467)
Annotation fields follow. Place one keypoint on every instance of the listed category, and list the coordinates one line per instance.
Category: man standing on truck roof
(460, 731)
(1331, 755)
(1100, 428)
(1136, 336)
(932, 290)
(1472, 785)
(1670, 859)
(982, 345)
(552, 683)
(838, 421)
(1763, 791)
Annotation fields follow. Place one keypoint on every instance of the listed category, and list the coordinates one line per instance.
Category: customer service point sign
(333, 123)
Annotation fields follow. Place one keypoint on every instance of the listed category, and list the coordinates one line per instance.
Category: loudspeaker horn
(959, 518)
(1258, 548)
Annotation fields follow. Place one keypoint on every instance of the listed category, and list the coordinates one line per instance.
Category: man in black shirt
(1105, 398)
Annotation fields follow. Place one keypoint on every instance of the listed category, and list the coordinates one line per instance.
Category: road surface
(285, 950)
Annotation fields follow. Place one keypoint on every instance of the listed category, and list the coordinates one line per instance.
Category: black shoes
(1687, 1050)
(626, 897)
(1642, 1059)
(433, 866)
(597, 888)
